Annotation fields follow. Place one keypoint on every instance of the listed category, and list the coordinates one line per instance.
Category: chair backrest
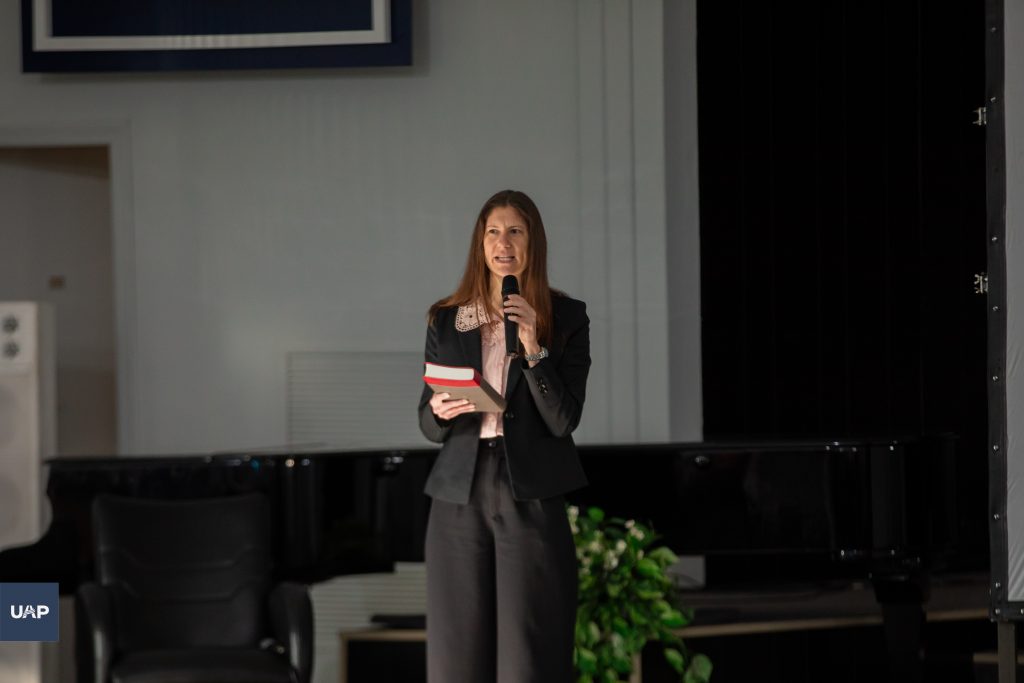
(185, 573)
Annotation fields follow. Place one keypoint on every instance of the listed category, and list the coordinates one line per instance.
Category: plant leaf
(675, 659)
(595, 514)
(623, 664)
(637, 616)
(649, 568)
(587, 661)
(699, 670)
(673, 619)
(663, 555)
(593, 633)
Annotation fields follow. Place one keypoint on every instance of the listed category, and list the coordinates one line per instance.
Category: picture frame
(61, 36)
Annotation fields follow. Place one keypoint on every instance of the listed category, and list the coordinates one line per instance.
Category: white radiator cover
(355, 399)
(28, 428)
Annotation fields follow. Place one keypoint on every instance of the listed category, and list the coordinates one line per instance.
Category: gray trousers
(501, 584)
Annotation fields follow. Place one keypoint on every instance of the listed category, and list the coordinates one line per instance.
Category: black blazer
(543, 407)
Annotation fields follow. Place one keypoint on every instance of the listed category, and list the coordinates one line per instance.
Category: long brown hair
(533, 283)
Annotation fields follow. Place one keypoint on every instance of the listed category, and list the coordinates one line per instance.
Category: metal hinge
(981, 283)
(980, 116)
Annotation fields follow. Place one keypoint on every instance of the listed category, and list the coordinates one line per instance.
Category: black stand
(902, 599)
(1007, 652)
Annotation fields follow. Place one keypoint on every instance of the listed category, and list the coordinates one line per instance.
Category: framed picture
(172, 35)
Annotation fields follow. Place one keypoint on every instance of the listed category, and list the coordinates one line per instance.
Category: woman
(501, 564)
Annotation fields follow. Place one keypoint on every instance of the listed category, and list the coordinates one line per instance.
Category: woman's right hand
(447, 409)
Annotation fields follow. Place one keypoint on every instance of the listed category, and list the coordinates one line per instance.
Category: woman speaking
(501, 564)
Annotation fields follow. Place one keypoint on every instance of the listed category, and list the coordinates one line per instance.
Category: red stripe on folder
(452, 382)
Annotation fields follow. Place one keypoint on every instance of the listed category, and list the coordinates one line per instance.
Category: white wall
(324, 210)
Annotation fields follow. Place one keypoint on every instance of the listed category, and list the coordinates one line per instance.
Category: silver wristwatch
(530, 357)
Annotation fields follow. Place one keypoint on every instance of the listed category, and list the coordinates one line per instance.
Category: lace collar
(470, 317)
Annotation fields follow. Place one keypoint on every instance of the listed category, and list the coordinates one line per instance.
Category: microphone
(509, 285)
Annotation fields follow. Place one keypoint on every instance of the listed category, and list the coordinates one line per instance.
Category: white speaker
(28, 430)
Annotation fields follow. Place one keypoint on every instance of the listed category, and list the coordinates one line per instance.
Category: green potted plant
(626, 600)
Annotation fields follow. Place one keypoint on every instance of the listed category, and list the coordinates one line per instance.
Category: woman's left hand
(522, 313)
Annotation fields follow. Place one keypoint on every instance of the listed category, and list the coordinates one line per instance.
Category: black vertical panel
(842, 218)
(1002, 607)
(795, 215)
(723, 278)
(754, 265)
(829, 336)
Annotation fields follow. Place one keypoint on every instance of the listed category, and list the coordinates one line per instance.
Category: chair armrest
(94, 633)
(291, 617)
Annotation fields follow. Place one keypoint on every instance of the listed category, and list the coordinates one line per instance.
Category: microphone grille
(509, 285)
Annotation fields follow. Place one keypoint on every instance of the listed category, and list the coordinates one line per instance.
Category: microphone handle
(511, 335)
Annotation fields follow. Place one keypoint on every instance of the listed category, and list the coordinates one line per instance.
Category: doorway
(57, 247)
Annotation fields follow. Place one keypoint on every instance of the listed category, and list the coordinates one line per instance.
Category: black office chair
(183, 595)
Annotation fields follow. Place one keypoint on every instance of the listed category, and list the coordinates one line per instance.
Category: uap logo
(29, 611)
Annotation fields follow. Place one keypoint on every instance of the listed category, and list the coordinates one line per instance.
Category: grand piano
(760, 513)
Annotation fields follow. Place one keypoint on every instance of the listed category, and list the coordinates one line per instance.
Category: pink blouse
(495, 371)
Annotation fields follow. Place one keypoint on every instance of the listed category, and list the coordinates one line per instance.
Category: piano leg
(1007, 652)
(902, 599)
